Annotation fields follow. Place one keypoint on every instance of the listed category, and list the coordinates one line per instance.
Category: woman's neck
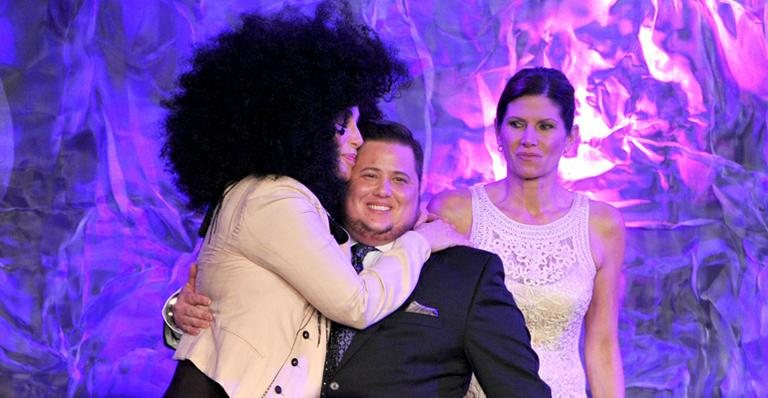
(533, 196)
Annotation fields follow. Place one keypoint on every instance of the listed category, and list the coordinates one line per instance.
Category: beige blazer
(273, 270)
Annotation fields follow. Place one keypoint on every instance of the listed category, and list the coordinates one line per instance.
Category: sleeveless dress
(550, 271)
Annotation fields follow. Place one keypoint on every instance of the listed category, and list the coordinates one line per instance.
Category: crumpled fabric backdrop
(673, 98)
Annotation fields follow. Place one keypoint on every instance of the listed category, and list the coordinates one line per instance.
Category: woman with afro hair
(263, 131)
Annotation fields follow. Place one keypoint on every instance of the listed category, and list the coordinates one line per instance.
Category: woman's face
(348, 139)
(533, 137)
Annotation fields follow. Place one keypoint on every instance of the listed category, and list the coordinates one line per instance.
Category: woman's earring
(501, 149)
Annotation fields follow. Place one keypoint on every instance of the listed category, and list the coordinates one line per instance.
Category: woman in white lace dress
(562, 252)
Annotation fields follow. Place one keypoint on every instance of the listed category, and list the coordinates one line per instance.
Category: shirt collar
(383, 248)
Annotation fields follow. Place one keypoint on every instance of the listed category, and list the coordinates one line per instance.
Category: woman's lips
(350, 158)
(528, 156)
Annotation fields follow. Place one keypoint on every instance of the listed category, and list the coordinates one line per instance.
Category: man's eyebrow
(379, 170)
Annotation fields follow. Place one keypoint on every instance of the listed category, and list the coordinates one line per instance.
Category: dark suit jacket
(478, 328)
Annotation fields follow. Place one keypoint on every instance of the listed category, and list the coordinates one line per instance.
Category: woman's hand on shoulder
(455, 207)
(440, 234)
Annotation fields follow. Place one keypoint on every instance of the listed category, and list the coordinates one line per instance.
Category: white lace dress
(550, 271)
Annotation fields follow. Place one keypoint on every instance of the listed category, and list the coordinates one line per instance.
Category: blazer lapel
(361, 337)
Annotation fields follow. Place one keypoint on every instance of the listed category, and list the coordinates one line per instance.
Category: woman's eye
(517, 124)
(341, 129)
(546, 126)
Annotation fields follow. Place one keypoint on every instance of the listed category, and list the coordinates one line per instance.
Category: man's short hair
(389, 131)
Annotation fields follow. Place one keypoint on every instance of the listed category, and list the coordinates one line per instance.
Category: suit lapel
(361, 337)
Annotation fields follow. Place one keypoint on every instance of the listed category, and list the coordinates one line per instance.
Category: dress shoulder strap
(580, 212)
(480, 202)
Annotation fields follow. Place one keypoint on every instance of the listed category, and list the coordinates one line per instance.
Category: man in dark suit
(460, 318)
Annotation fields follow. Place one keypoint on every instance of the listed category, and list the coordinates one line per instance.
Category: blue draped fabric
(672, 105)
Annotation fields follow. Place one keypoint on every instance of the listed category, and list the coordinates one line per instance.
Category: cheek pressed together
(348, 139)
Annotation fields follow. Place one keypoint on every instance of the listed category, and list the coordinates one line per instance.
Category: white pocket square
(418, 308)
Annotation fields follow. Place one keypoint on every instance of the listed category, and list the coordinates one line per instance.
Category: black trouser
(190, 382)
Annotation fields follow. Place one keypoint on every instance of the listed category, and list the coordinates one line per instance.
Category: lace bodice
(550, 271)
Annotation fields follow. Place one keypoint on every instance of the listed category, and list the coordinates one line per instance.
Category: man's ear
(572, 142)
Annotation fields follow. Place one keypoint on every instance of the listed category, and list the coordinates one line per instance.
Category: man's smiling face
(383, 198)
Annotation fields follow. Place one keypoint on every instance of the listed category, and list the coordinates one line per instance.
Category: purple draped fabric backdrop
(672, 104)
